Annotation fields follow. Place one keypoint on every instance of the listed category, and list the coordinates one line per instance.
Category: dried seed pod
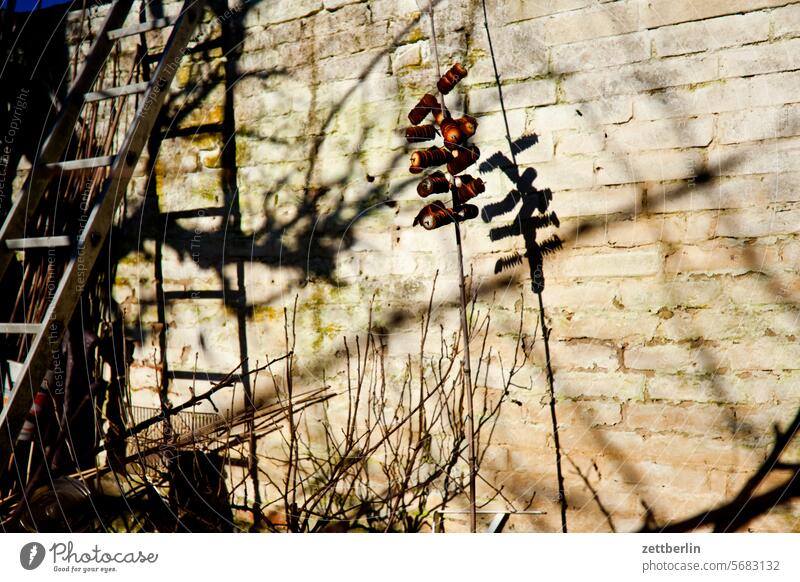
(440, 114)
(468, 187)
(451, 78)
(436, 215)
(436, 183)
(433, 216)
(463, 158)
(427, 104)
(468, 125)
(452, 133)
(417, 133)
(433, 156)
(467, 212)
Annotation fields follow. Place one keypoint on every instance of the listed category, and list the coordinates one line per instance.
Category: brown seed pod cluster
(433, 156)
(420, 111)
(451, 78)
(456, 131)
(436, 183)
(468, 187)
(417, 133)
(436, 214)
(463, 158)
(457, 153)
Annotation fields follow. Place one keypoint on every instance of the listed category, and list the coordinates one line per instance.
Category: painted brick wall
(669, 134)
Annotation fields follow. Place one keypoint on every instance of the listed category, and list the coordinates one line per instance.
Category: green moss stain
(265, 313)
(242, 152)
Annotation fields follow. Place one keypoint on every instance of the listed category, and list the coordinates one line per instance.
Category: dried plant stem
(467, 376)
(465, 365)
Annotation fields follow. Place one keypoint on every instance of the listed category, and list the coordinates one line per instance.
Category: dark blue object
(31, 5)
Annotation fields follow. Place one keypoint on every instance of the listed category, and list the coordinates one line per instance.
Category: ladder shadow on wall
(315, 234)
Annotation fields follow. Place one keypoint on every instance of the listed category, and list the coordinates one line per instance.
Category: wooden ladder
(49, 166)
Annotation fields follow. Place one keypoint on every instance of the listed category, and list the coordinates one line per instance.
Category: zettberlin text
(671, 549)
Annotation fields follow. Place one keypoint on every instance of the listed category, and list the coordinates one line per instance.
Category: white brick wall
(669, 134)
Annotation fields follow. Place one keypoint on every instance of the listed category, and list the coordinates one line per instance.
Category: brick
(588, 293)
(617, 325)
(598, 53)
(695, 419)
(774, 89)
(650, 135)
(335, 4)
(782, 518)
(718, 96)
(657, 13)
(639, 77)
(338, 18)
(742, 159)
(364, 64)
(515, 10)
(667, 357)
(543, 151)
(565, 174)
(765, 353)
(757, 60)
(655, 166)
(760, 421)
(759, 124)
(515, 96)
(758, 223)
(602, 201)
(786, 21)
(671, 504)
(496, 459)
(722, 193)
(712, 324)
(492, 128)
(696, 451)
(408, 55)
(285, 10)
(586, 355)
(756, 387)
(524, 437)
(518, 48)
(753, 289)
(580, 116)
(620, 232)
(716, 33)
(580, 142)
(601, 442)
(710, 97)
(347, 42)
(718, 257)
(621, 263)
(391, 9)
(598, 384)
(636, 472)
(608, 19)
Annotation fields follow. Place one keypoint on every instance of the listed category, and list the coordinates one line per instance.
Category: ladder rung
(38, 242)
(115, 92)
(140, 28)
(20, 328)
(83, 164)
(200, 375)
(213, 211)
(228, 296)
